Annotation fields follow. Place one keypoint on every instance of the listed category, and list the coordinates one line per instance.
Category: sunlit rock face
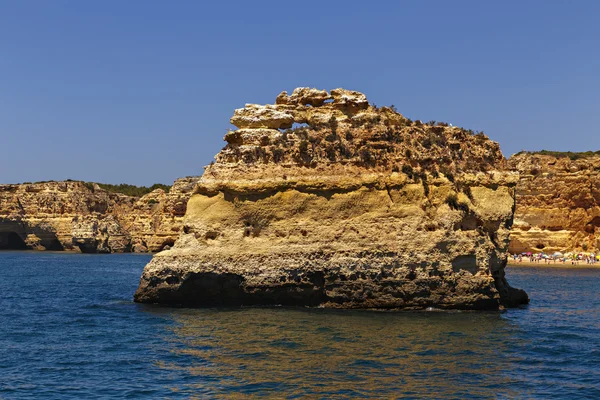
(156, 219)
(83, 217)
(44, 216)
(558, 204)
(324, 200)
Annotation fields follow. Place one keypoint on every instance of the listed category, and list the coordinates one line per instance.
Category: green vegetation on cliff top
(564, 154)
(131, 190)
(123, 188)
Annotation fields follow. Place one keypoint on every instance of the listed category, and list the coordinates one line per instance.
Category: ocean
(69, 329)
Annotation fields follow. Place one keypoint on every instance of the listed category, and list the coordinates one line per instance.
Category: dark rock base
(370, 283)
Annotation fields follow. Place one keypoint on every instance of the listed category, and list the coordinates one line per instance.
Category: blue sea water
(69, 329)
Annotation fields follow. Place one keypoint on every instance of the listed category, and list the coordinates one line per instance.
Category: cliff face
(558, 204)
(76, 216)
(41, 216)
(156, 219)
(324, 200)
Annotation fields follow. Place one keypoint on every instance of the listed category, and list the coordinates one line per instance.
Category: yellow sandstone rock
(82, 217)
(359, 207)
(558, 204)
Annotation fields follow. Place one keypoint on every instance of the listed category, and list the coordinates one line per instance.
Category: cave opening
(167, 244)
(54, 245)
(11, 241)
(591, 226)
(595, 222)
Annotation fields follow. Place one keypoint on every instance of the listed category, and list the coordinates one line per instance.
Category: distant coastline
(92, 218)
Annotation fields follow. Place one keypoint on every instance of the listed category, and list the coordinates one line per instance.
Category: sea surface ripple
(69, 329)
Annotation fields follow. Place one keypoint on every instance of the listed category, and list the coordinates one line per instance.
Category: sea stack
(324, 200)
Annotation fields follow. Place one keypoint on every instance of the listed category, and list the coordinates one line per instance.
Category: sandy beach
(558, 264)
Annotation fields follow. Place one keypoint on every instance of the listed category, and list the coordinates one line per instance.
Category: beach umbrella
(558, 254)
(528, 253)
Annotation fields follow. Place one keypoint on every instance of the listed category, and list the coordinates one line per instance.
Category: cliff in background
(325, 200)
(78, 216)
(558, 203)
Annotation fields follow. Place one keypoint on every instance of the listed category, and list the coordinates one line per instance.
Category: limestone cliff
(156, 219)
(77, 216)
(324, 200)
(558, 204)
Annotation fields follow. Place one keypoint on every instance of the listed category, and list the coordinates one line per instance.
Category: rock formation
(77, 216)
(558, 204)
(157, 218)
(324, 200)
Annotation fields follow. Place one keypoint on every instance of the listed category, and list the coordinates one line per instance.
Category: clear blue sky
(142, 91)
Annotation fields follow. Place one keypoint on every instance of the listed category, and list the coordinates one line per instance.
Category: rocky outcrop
(83, 217)
(558, 204)
(156, 219)
(324, 200)
(92, 234)
(42, 216)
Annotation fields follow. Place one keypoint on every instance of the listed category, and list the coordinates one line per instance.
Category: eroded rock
(257, 116)
(304, 96)
(558, 204)
(83, 217)
(361, 208)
